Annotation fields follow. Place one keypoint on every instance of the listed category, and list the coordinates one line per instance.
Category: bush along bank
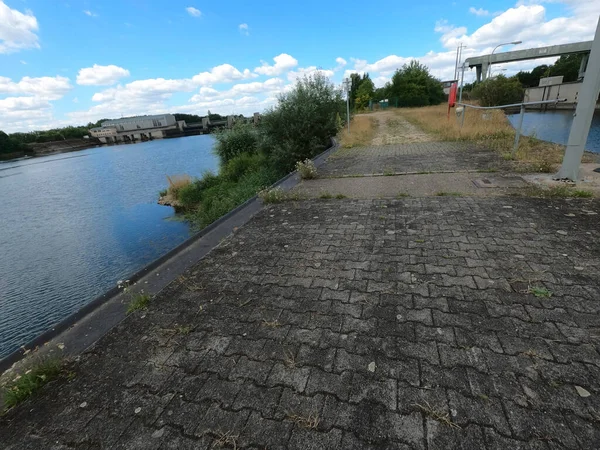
(251, 157)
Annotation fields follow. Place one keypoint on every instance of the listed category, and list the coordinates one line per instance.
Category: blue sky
(75, 61)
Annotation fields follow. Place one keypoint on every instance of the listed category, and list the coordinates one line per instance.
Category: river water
(73, 224)
(554, 126)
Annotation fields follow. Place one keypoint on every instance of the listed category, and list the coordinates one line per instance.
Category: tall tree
(413, 85)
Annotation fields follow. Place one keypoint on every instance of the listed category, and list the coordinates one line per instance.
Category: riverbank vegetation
(492, 130)
(10, 147)
(251, 157)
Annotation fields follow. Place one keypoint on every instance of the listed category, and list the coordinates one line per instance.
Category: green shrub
(242, 138)
(226, 195)
(302, 123)
(499, 91)
(241, 164)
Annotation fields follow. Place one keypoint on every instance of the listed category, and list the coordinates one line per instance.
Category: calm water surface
(554, 126)
(72, 225)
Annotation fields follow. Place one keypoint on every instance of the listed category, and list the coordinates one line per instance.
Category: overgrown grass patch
(29, 383)
(362, 132)
(490, 129)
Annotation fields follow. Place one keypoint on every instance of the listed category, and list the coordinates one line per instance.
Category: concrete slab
(412, 185)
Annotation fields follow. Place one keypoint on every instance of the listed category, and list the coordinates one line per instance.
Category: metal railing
(513, 105)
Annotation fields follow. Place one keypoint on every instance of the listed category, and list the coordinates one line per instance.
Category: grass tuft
(28, 384)
(539, 292)
(138, 302)
(226, 439)
(436, 414)
(310, 421)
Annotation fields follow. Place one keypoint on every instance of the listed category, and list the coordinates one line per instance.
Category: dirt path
(394, 129)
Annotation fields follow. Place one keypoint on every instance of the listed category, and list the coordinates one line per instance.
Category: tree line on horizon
(411, 85)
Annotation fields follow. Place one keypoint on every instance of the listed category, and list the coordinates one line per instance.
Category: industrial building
(138, 128)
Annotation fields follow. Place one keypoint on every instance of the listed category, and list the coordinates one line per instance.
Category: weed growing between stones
(29, 383)
(276, 195)
(539, 292)
(311, 421)
(138, 302)
(306, 169)
(564, 191)
(436, 414)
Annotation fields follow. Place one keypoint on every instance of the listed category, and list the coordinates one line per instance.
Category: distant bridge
(481, 63)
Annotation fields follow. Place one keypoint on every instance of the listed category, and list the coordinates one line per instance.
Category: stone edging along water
(106, 318)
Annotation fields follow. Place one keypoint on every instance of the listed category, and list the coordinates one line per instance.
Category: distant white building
(138, 128)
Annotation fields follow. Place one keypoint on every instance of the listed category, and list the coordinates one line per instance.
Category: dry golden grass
(362, 131)
(491, 129)
(176, 182)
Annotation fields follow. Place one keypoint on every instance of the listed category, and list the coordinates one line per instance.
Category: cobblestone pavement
(434, 323)
(414, 157)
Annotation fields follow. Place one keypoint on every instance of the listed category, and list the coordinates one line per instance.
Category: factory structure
(139, 128)
(145, 128)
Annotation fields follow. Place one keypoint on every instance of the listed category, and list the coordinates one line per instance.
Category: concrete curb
(78, 335)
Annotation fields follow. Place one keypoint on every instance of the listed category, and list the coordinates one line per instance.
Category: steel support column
(583, 115)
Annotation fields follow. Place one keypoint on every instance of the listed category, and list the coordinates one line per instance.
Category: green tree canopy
(364, 94)
(413, 85)
(499, 91)
(302, 122)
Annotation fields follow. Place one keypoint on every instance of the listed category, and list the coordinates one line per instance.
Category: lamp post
(495, 48)
(347, 84)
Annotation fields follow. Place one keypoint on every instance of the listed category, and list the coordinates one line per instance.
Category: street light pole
(495, 48)
(458, 58)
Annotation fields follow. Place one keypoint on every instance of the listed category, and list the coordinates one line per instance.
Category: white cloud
(87, 12)
(224, 73)
(341, 63)
(479, 11)
(17, 30)
(527, 23)
(45, 88)
(23, 62)
(193, 11)
(283, 63)
(244, 29)
(304, 71)
(101, 75)
(271, 86)
(75, 100)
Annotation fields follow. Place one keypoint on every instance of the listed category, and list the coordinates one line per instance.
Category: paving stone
(303, 439)
(502, 365)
